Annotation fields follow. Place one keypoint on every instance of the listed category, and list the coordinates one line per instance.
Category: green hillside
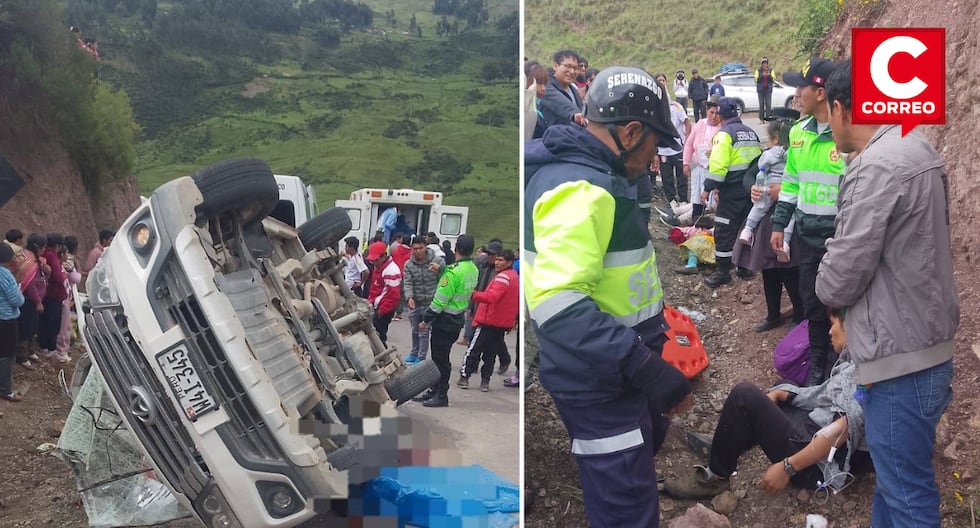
(670, 35)
(342, 103)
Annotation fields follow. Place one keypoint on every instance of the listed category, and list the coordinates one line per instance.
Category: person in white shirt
(356, 271)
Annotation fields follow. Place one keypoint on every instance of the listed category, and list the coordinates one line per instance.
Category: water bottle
(760, 182)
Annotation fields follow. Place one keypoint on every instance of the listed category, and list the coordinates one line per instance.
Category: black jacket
(697, 89)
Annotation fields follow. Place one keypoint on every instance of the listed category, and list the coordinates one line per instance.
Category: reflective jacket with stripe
(590, 272)
(452, 296)
(733, 148)
(810, 181)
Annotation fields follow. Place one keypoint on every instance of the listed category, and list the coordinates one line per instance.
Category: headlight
(141, 237)
(101, 290)
(214, 510)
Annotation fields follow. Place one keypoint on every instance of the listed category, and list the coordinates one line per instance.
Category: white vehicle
(234, 351)
(297, 201)
(423, 211)
(741, 87)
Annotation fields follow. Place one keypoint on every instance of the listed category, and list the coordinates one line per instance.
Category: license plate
(186, 383)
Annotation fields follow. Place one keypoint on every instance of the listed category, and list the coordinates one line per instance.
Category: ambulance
(420, 213)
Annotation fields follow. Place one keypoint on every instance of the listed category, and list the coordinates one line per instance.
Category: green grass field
(327, 126)
(666, 35)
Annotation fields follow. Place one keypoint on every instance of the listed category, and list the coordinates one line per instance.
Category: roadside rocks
(700, 516)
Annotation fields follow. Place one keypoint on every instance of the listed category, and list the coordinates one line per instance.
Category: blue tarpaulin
(442, 497)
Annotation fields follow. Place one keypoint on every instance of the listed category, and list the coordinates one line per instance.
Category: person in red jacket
(496, 314)
(386, 282)
(49, 323)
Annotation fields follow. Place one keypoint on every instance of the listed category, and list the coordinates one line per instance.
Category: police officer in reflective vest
(809, 190)
(733, 148)
(447, 314)
(595, 299)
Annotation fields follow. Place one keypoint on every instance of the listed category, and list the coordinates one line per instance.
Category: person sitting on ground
(781, 422)
(771, 165)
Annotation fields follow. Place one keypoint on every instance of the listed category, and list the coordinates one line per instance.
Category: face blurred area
(418, 251)
(714, 118)
(838, 336)
(500, 263)
(566, 71)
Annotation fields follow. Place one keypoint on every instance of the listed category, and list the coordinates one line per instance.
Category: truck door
(448, 221)
(360, 219)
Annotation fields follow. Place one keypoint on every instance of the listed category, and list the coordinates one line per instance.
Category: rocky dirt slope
(53, 197)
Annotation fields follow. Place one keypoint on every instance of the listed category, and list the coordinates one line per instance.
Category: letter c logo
(879, 67)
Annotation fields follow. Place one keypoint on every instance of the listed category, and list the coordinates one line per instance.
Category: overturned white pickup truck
(233, 350)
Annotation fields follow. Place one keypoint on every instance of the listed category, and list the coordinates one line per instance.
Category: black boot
(439, 400)
(818, 363)
(723, 275)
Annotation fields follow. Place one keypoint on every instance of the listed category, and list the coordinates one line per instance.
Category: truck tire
(325, 229)
(413, 381)
(246, 185)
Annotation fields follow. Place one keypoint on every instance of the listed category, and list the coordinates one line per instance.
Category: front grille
(252, 443)
(123, 367)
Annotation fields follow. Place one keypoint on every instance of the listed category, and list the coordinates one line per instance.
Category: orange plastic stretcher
(684, 350)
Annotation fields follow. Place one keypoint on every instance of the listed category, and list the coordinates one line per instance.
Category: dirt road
(39, 490)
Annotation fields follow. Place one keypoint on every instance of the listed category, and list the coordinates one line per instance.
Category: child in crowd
(771, 165)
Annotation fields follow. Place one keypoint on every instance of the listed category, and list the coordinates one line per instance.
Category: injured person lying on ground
(814, 436)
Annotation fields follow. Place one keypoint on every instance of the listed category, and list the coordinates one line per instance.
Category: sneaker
(783, 256)
(411, 360)
(485, 386)
(428, 394)
(26, 364)
(688, 270)
(463, 382)
(396, 318)
(744, 273)
(697, 485)
(745, 236)
(11, 396)
(503, 367)
(512, 381)
(463, 342)
(49, 354)
(62, 357)
(33, 357)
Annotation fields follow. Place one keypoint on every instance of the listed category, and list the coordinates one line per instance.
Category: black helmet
(620, 94)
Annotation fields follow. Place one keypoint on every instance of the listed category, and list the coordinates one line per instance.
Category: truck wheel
(325, 229)
(413, 381)
(246, 185)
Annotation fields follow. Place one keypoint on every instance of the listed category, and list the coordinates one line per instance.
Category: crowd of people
(447, 291)
(828, 211)
(36, 306)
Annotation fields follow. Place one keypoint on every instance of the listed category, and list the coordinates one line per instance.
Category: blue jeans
(900, 417)
(420, 338)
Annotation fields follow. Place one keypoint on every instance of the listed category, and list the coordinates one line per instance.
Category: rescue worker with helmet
(595, 298)
(733, 149)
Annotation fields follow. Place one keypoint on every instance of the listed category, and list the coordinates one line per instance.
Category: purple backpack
(792, 355)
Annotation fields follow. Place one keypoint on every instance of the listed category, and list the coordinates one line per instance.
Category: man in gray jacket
(420, 278)
(890, 264)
